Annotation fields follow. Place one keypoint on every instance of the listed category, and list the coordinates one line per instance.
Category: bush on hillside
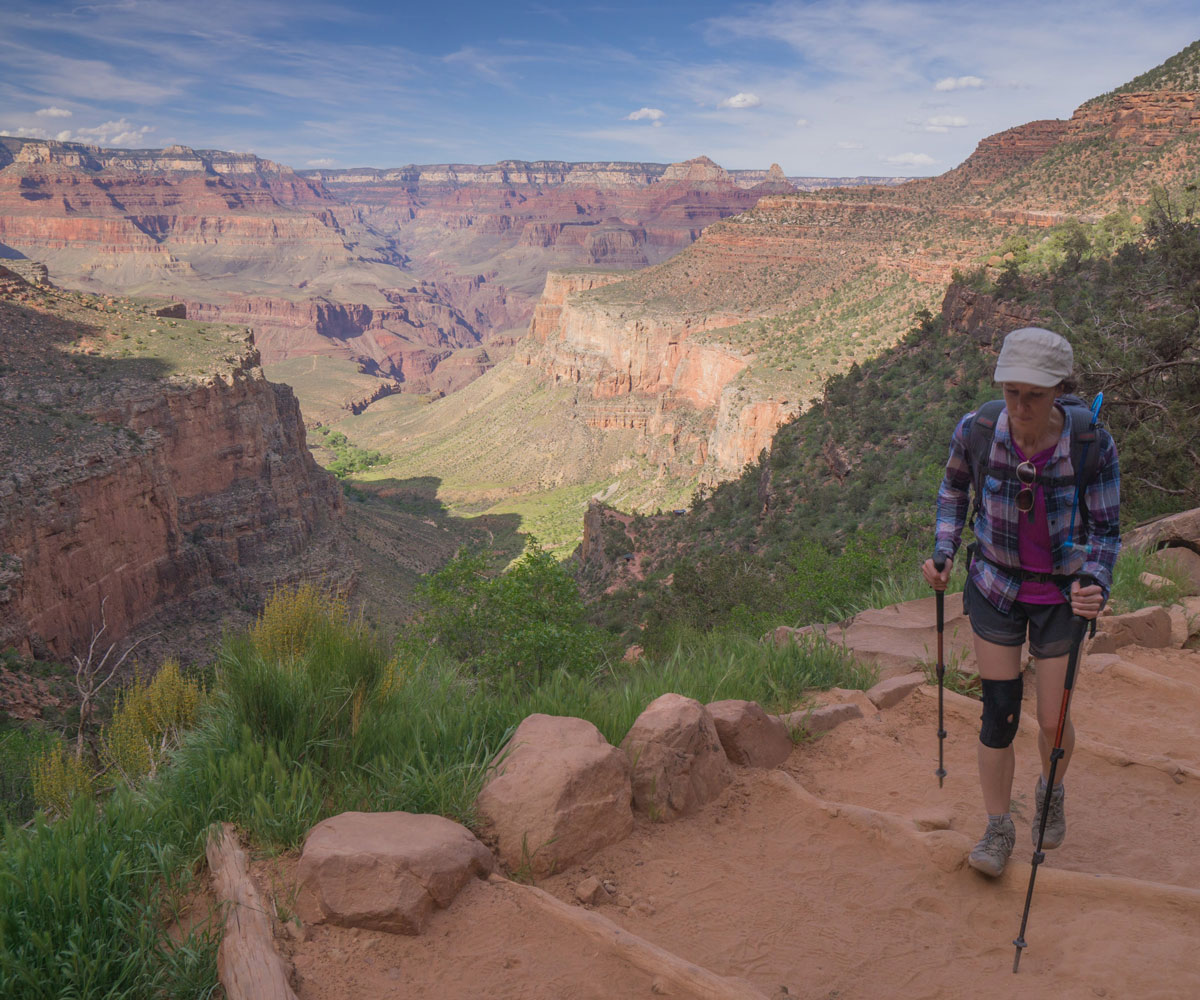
(524, 623)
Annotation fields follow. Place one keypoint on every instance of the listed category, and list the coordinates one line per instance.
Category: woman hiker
(1025, 568)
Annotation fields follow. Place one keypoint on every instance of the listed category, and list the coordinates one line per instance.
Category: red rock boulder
(749, 736)
(1149, 628)
(558, 793)
(678, 761)
(386, 871)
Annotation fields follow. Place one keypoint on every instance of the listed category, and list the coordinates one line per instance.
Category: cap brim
(1030, 376)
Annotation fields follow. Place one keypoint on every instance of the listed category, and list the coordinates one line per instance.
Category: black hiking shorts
(1048, 626)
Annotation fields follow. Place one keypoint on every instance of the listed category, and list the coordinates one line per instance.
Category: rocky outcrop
(1145, 119)
(743, 429)
(122, 501)
(984, 319)
(999, 155)
(639, 372)
(404, 341)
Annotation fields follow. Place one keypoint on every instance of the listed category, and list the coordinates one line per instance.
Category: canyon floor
(842, 874)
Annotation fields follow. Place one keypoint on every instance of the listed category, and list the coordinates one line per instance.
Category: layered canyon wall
(120, 501)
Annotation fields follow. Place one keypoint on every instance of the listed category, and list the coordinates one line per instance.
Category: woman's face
(1029, 406)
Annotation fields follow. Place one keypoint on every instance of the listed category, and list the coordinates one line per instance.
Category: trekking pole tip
(1020, 943)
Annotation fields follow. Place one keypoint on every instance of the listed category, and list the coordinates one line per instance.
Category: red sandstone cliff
(148, 492)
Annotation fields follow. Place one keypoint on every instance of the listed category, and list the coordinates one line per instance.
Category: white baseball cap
(1034, 356)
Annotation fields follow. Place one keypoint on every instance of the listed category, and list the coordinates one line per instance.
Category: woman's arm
(954, 495)
(1103, 497)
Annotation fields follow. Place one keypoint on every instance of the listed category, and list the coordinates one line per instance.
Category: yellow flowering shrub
(150, 720)
(293, 618)
(58, 777)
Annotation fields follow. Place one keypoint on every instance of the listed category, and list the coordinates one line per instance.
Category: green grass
(19, 746)
(1131, 593)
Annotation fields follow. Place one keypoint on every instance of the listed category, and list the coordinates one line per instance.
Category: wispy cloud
(821, 86)
(959, 83)
(121, 132)
(324, 161)
(911, 160)
(944, 123)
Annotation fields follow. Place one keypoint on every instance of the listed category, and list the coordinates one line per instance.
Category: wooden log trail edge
(637, 951)
(248, 966)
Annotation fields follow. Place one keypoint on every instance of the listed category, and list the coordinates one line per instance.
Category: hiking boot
(991, 853)
(1056, 820)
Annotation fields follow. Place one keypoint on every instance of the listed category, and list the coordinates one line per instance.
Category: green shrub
(521, 624)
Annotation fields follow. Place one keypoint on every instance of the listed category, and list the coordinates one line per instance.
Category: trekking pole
(940, 595)
(1080, 626)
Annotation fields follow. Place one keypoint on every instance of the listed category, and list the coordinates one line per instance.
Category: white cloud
(653, 114)
(848, 145)
(944, 123)
(64, 135)
(910, 160)
(24, 132)
(958, 83)
(122, 132)
(53, 112)
(741, 100)
(802, 123)
(324, 161)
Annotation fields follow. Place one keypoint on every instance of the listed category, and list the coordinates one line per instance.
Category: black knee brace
(1001, 712)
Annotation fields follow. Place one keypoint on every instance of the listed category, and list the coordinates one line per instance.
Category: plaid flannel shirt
(996, 524)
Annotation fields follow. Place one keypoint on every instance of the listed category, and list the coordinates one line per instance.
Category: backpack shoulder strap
(979, 447)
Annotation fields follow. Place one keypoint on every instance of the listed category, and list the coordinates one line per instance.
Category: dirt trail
(842, 874)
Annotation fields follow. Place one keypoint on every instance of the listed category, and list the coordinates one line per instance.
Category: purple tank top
(1033, 540)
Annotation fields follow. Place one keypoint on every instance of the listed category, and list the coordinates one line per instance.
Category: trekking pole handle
(1080, 627)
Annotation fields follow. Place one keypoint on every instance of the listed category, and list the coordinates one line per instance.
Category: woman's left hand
(1086, 602)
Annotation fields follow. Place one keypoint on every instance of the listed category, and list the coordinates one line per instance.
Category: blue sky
(826, 87)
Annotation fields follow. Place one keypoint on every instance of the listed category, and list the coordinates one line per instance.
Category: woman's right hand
(937, 580)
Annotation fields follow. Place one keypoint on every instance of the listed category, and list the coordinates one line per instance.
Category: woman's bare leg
(1051, 676)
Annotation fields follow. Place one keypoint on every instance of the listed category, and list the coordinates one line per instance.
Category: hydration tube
(1083, 459)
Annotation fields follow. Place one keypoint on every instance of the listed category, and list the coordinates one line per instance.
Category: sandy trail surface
(842, 874)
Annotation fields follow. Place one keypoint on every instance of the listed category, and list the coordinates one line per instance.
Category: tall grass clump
(1130, 592)
(20, 750)
(709, 667)
(83, 901)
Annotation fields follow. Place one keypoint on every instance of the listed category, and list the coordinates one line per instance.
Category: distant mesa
(700, 170)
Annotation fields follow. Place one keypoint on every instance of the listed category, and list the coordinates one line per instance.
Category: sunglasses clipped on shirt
(1027, 474)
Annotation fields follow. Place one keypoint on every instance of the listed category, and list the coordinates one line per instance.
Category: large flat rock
(386, 871)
